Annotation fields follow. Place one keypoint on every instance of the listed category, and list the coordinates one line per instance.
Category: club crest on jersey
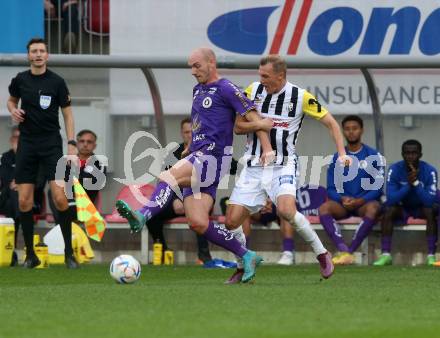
(207, 102)
(45, 101)
(290, 106)
(258, 98)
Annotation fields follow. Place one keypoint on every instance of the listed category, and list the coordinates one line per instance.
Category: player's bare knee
(231, 222)
(199, 226)
(60, 201)
(373, 210)
(286, 213)
(25, 203)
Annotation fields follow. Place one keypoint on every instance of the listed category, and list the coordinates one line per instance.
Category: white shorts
(255, 184)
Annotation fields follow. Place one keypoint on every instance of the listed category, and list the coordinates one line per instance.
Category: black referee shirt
(41, 97)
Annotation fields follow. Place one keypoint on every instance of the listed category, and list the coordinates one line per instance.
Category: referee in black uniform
(42, 93)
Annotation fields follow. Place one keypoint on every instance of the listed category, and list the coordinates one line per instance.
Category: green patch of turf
(189, 301)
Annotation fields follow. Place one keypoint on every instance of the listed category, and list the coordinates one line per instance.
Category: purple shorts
(209, 168)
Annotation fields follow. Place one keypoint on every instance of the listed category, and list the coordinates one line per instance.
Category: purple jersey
(213, 114)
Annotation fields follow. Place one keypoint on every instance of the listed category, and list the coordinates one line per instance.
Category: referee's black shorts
(36, 150)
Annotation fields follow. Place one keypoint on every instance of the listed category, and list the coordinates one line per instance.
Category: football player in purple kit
(215, 104)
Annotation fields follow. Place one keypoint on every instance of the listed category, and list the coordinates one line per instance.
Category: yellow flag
(87, 213)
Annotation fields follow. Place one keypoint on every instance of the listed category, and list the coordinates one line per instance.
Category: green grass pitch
(189, 301)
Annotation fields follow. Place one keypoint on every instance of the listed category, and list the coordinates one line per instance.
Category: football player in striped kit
(216, 101)
(287, 105)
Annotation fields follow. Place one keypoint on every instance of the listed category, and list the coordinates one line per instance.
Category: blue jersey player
(411, 191)
(216, 101)
(353, 191)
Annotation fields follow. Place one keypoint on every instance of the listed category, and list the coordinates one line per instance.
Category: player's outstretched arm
(335, 132)
(243, 126)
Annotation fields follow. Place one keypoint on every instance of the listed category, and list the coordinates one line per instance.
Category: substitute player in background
(411, 191)
(350, 198)
(42, 93)
(216, 101)
(287, 105)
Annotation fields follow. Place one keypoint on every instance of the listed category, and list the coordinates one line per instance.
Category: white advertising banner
(316, 29)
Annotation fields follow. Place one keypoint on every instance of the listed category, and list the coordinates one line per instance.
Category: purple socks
(362, 232)
(248, 241)
(333, 232)
(288, 244)
(224, 238)
(386, 244)
(432, 240)
(159, 200)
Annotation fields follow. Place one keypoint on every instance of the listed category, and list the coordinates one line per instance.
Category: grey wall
(314, 140)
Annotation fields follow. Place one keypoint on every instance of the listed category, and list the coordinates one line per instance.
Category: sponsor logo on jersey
(199, 137)
(196, 124)
(280, 123)
(285, 179)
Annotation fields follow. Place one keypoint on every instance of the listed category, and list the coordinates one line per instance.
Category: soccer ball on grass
(125, 269)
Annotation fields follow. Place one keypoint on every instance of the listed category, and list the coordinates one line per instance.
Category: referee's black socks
(27, 224)
(66, 219)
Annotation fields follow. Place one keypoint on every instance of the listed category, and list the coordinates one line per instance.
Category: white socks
(239, 235)
(302, 226)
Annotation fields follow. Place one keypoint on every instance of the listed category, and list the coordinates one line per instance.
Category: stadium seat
(127, 195)
(416, 221)
(95, 22)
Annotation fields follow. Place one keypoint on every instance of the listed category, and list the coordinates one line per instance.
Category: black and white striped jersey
(287, 108)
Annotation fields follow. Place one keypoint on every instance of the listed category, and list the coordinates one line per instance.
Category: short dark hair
(412, 143)
(35, 40)
(354, 118)
(278, 63)
(86, 131)
(185, 120)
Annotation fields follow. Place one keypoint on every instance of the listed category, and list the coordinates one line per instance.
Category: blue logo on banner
(243, 31)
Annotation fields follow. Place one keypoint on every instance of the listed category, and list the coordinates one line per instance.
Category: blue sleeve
(236, 99)
(374, 195)
(427, 192)
(331, 188)
(394, 193)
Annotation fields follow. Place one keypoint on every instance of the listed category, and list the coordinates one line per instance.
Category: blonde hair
(278, 63)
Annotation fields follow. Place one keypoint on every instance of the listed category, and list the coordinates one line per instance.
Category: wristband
(72, 143)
